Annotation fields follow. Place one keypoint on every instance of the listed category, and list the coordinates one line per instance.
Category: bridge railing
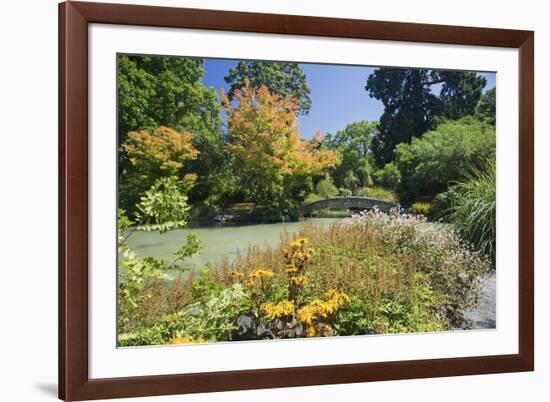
(345, 203)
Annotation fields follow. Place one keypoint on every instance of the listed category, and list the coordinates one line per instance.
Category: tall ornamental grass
(473, 208)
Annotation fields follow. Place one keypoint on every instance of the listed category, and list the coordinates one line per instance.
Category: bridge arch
(344, 203)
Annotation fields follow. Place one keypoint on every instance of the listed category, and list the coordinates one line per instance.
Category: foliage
(388, 262)
(325, 188)
(378, 192)
(160, 151)
(163, 207)
(411, 107)
(388, 177)
(158, 91)
(421, 208)
(210, 320)
(344, 192)
(294, 316)
(272, 162)
(428, 164)
(486, 107)
(376, 273)
(353, 143)
(312, 197)
(473, 209)
(284, 79)
(191, 247)
(213, 318)
(161, 91)
(152, 155)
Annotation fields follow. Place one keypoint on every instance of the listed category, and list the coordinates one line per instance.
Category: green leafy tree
(155, 91)
(428, 165)
(413, 105)
(486, 108)
(166, 91)
(353, 143)
(325, 188)
(283, 79)
(389, 176)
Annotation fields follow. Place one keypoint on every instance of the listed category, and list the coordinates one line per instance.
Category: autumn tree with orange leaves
(153, 154)
(273, 163)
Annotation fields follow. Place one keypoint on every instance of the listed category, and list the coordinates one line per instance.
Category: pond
(217, 240)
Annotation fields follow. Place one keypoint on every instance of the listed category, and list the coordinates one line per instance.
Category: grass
(473, 208)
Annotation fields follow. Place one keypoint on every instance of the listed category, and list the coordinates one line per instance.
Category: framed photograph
(263, 200)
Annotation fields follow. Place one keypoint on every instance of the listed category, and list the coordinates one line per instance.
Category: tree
(413, 105)
(353, 143)
(325, 188)
(270, 159)
(156, 91)
(388, 177)
(284, 79)
(428, 165)
(486, 108)
(152, 155)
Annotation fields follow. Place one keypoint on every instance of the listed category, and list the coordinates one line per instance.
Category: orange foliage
(263, 136)
(163, 148)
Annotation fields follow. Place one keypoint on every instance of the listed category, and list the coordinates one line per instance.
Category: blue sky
(338, 95)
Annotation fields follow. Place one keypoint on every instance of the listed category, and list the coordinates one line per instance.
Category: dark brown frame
(74, 17)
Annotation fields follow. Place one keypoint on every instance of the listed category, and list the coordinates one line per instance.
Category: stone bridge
(345, 203)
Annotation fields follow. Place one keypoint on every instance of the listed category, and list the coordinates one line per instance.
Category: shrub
(421, 208)
(326, 189)
(441, 205)
(473, 209)
(344, 192)
(438, 259)
(164, 206)
(312, 197)
(389, 176)
(429, 164)
(378, 192)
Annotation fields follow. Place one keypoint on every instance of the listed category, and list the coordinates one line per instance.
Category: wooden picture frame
(74, 381)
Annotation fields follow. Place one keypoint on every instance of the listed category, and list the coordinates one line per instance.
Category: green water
(218, 241)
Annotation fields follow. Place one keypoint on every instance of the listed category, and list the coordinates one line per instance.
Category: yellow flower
(182, 340)
(311, 331)
(298, 242)
(318, 309)
(298, 280)
(337, 297)
(236, 274)
(290, 268)
(260, 273)
(274, 311)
